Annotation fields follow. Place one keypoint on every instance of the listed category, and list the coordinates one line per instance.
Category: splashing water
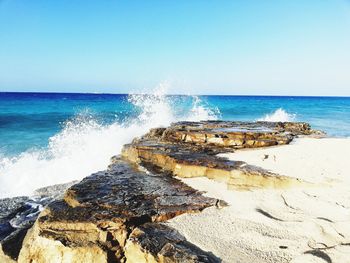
(154, 108)
(278, 115)
(85, 145)
(202, 112)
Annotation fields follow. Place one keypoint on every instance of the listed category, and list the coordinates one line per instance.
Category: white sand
(311, 224)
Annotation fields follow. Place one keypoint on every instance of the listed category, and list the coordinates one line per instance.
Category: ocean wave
(278, 115)
(85, 145)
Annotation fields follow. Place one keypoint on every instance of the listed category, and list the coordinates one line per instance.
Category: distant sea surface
(48, 138)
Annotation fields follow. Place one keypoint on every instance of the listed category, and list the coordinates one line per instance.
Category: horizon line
(222, 95)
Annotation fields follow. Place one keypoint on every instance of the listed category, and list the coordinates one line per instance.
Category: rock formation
(116, 215)
(111, 216)
(18, 214)
(188, 149)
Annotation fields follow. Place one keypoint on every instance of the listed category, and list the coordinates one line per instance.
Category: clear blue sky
(299, 47)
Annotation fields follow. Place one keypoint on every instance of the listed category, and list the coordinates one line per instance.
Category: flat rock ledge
(189, 149)
(116, 215)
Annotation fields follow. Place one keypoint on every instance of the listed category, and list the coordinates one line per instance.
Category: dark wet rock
(13, 225)
(8, 205)
(161, 243)
(12, 243)
(18, 214)
(98, 214)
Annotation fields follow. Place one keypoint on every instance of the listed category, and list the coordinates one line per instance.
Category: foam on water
(85, 146)
(201, 112)
(278, 115)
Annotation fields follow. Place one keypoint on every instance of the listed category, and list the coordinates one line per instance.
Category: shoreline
(35, 194)
(304, 224)
(211, 191)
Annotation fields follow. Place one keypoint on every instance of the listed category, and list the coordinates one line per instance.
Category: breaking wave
(278, 115)
(85, 145)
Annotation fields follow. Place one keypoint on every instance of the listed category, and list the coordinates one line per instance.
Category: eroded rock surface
(236, 134)
(166, 243)
(189, 149)
(101, 214)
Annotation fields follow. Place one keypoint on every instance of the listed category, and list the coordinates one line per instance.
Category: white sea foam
(85, 146)
(201, 112)
(278, 115)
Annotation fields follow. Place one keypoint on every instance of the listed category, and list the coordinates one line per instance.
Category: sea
(52, 138)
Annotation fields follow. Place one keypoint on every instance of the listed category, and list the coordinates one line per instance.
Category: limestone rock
(160, 243)
(94, 220)
(234, 134)
(188, 149)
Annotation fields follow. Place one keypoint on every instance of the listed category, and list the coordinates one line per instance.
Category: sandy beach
(304, 224)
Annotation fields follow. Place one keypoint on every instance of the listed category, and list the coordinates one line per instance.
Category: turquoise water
(28, 120)
(48, 138)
